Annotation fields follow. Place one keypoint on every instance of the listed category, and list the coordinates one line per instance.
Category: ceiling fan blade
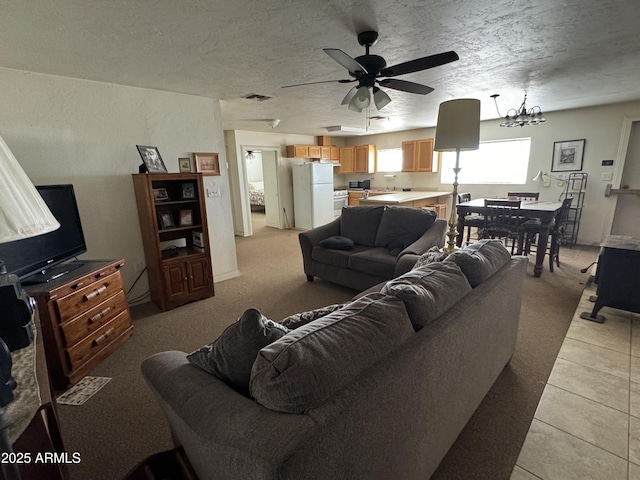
(322, 81)
(405, 86)
(345, 60)
(419, 64)
(350, 94)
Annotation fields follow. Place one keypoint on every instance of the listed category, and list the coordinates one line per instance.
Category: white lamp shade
(380, 98)
(361, 99)
(538, 177)
(23, 213)
(458, 125)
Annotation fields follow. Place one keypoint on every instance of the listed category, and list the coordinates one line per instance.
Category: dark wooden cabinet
(84, 317)
(173, 224)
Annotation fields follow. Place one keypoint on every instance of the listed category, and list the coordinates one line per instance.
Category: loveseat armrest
(311, 238)
(433, 237)
(224, 434)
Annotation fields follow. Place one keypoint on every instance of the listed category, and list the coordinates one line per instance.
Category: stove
(340, 193)
(340, 199)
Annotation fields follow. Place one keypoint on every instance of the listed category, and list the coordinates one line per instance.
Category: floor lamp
(457, 130)
(23, 214)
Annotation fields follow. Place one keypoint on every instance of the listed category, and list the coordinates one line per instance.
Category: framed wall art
(207, 163)
(184, 164)
(567, 156)
(151, 160)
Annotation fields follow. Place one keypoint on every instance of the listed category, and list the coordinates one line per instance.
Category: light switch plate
(606, 177)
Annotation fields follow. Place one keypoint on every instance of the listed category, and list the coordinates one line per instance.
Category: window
(389, 160)
(502, 161)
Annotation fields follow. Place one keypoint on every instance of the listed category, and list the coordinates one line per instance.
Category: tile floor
(587, 424)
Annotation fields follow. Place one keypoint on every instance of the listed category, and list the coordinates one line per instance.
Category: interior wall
(600, 126)
(65, 130)
(626, 220)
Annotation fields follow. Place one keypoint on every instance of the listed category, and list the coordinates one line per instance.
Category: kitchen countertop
(403, 197)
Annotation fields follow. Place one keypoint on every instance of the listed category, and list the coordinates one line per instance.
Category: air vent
(257, 96)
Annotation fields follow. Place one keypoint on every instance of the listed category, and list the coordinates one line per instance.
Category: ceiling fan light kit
(521, 116)
(368, 71)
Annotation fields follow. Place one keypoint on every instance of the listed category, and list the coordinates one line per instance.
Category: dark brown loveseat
(369, 244)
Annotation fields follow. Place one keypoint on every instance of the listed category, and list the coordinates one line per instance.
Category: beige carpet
(122, 424)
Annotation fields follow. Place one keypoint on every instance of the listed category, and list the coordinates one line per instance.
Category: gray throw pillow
(401, 226)
(478, 261)
(338, 242)
(231, 356)
(360, 223)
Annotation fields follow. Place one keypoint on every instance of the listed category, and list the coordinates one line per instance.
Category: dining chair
(502, 219)
(473, 220)
(556, 233)
(525, 196)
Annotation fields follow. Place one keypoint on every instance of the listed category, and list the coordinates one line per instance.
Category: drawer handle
(102, 338)
(95, 293)
(99, 315)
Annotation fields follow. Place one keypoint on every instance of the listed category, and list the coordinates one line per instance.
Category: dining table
(545, 211)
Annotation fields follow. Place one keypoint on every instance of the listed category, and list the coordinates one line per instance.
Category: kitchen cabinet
(330, 153)
(347, 156)
(311, 151)
(417, 156)
(355, 197)
(365, 159)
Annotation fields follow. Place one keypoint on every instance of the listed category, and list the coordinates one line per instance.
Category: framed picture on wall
(567, 156)
(207, 163)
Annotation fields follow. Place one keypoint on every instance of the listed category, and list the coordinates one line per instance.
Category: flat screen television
(38, 259)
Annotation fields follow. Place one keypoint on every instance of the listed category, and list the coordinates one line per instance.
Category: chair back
(464, 197)
(525, 196)
(560, 220)
(501, 215)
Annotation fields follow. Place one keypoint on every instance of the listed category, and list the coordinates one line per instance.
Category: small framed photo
(160, 194)
(184, 164)
(188, 191)
(165, 219)
(151, 160)
(186, 218)
(567, 156)
(207, 163)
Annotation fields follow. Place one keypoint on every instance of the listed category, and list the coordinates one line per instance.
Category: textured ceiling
(563, 54)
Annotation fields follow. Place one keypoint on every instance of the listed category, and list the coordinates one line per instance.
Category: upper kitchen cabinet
(347, 156)
(365, 159)
(329, 153)
(417, 156)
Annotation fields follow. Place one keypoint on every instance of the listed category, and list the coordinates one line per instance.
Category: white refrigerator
(312, 194)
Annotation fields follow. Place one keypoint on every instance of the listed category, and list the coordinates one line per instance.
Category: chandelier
(521, 116)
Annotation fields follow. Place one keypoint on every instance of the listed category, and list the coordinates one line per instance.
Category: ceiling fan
(368, 71)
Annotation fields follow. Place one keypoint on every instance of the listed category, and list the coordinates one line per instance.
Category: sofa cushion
(303, 369)
(478, 261)
(376, 261)
(429, 291)
(401, 226)
(231, 356)
(360, 223)
(332, 256)
(338, 242)
(299, 319)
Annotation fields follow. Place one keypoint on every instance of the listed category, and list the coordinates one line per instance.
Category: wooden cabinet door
(175, 280)
(314, 151)
(409, 156)
(424, 157)
(197, 271)
(346, 160)
(325, 153)
(335, 153)
(297, 151)
(365, 159)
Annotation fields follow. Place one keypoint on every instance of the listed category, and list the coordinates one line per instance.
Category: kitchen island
(438, 200)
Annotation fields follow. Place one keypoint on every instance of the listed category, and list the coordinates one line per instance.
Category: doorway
(626, 219)
(261, 168)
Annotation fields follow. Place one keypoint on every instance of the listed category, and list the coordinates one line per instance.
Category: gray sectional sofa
(369, 244)
(377, 388)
